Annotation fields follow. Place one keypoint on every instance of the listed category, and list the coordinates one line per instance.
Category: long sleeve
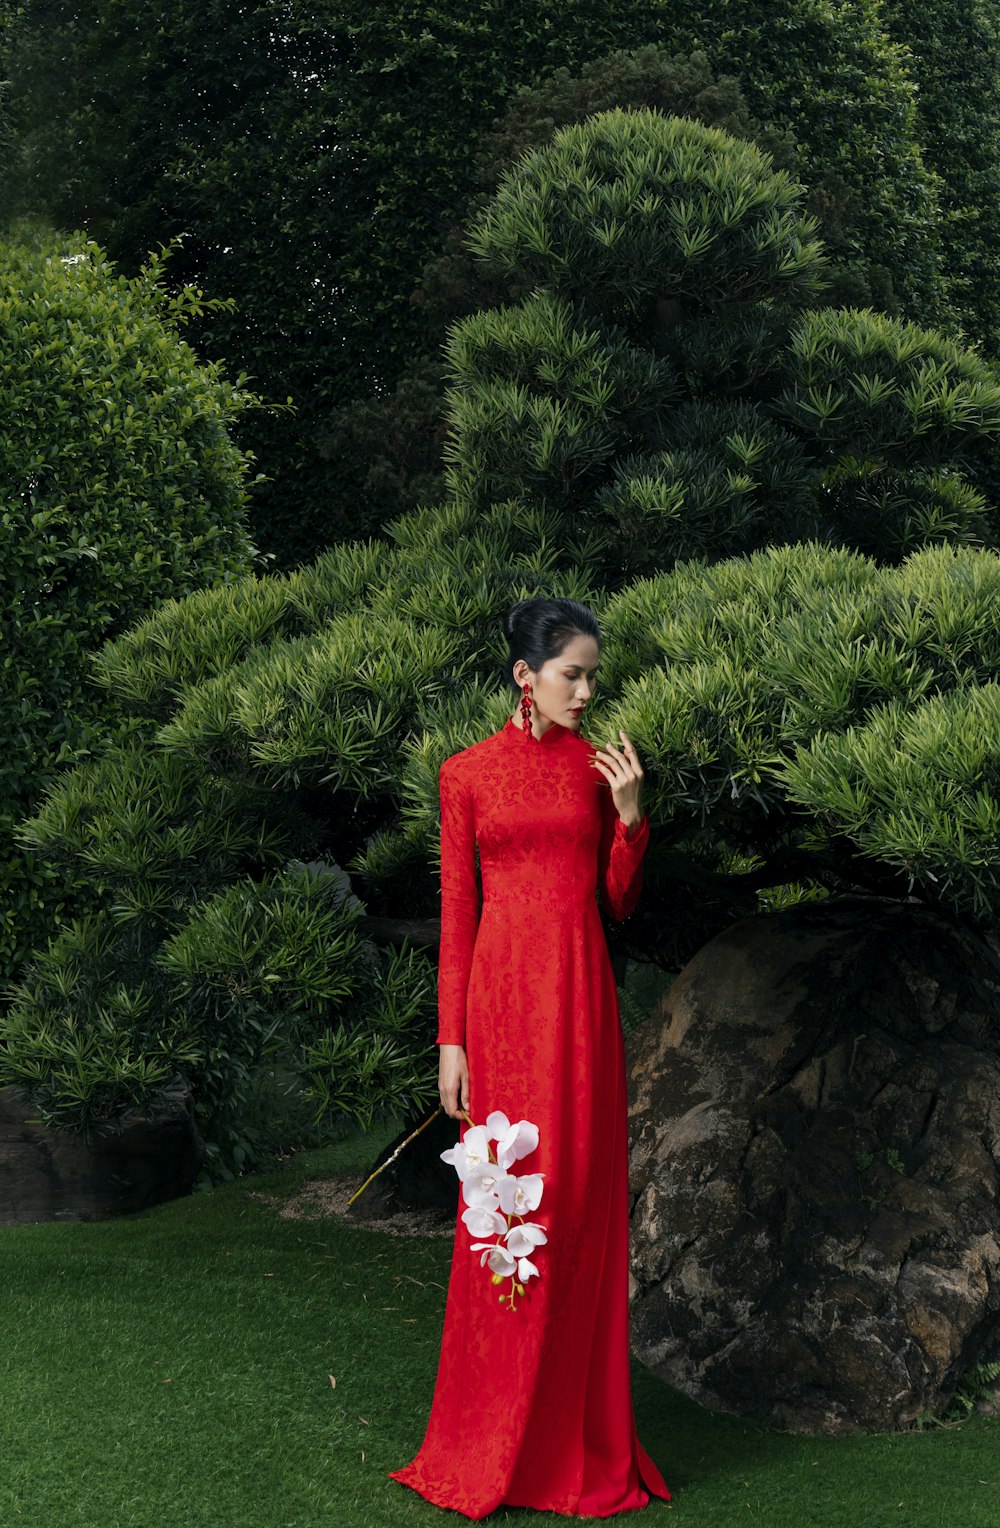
(460, 904)
(619, 864)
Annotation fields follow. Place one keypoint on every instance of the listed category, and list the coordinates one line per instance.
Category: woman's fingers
(621, 770)
(624, 765)
(455, 1090)
(632, 755)
(629, 748)
(453, 1080)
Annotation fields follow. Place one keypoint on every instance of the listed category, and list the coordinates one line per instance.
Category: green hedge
(119, 486)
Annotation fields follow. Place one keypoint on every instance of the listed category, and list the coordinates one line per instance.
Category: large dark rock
(55, 1175)
(815, 1164)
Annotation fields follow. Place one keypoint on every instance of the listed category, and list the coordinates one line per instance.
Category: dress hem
(648, 1491)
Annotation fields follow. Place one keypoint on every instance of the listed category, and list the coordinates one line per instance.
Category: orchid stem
(389, 1160)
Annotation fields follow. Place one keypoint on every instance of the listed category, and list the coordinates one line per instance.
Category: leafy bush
(631, 207)
(394, 438)
(119, 486)
(113, 1012)
(842, 717)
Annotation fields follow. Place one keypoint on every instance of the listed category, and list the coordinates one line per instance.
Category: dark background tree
(316, 156)
(954, 58)
(143, 122)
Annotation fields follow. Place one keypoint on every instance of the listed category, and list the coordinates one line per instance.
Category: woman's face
(564, 684)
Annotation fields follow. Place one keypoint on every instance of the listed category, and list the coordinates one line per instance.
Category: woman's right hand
(453, 1079)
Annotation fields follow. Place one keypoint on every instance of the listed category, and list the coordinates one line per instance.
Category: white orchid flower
(519, 1196)
(495, 1196)
(522, 1240)
(497, 1124)
(516, 1142)
(481, 1187)
(499, 1258)
(477, 1197)
(472, 1151)
(483, 1222)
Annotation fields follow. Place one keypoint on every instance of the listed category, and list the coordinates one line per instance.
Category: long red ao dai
(533, 1407)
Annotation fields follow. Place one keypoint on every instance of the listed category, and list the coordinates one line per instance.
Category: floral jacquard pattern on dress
(533, 1407)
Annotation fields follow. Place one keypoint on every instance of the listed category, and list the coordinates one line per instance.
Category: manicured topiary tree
(389, 446)
(119, 487)
(664, 381)
(599, 430)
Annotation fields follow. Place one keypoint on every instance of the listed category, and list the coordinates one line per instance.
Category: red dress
(533, 1406)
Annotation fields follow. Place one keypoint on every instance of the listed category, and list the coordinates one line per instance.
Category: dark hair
(539, 629)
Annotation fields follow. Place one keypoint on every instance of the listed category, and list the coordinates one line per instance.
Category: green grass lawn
(172, 1370)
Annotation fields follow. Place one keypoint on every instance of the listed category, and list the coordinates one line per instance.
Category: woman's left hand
(623, 772)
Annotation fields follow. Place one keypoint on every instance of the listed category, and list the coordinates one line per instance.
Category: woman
(533, 1405)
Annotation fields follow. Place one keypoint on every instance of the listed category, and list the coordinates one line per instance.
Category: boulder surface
(814, 1120)
(48, 1174)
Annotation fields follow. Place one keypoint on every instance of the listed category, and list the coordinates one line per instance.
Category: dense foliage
(664, 382)
(838, 720)
(143, 122)
(315, 157)
(428, 83)
(954, 58)
(810, 719)
(10, 21)
(119, 486)
(389, 445)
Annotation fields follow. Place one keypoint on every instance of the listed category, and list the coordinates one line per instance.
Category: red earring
(526, 709)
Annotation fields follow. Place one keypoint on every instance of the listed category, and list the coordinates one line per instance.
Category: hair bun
(510, 619)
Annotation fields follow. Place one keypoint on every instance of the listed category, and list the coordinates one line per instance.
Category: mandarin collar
(552, 735)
